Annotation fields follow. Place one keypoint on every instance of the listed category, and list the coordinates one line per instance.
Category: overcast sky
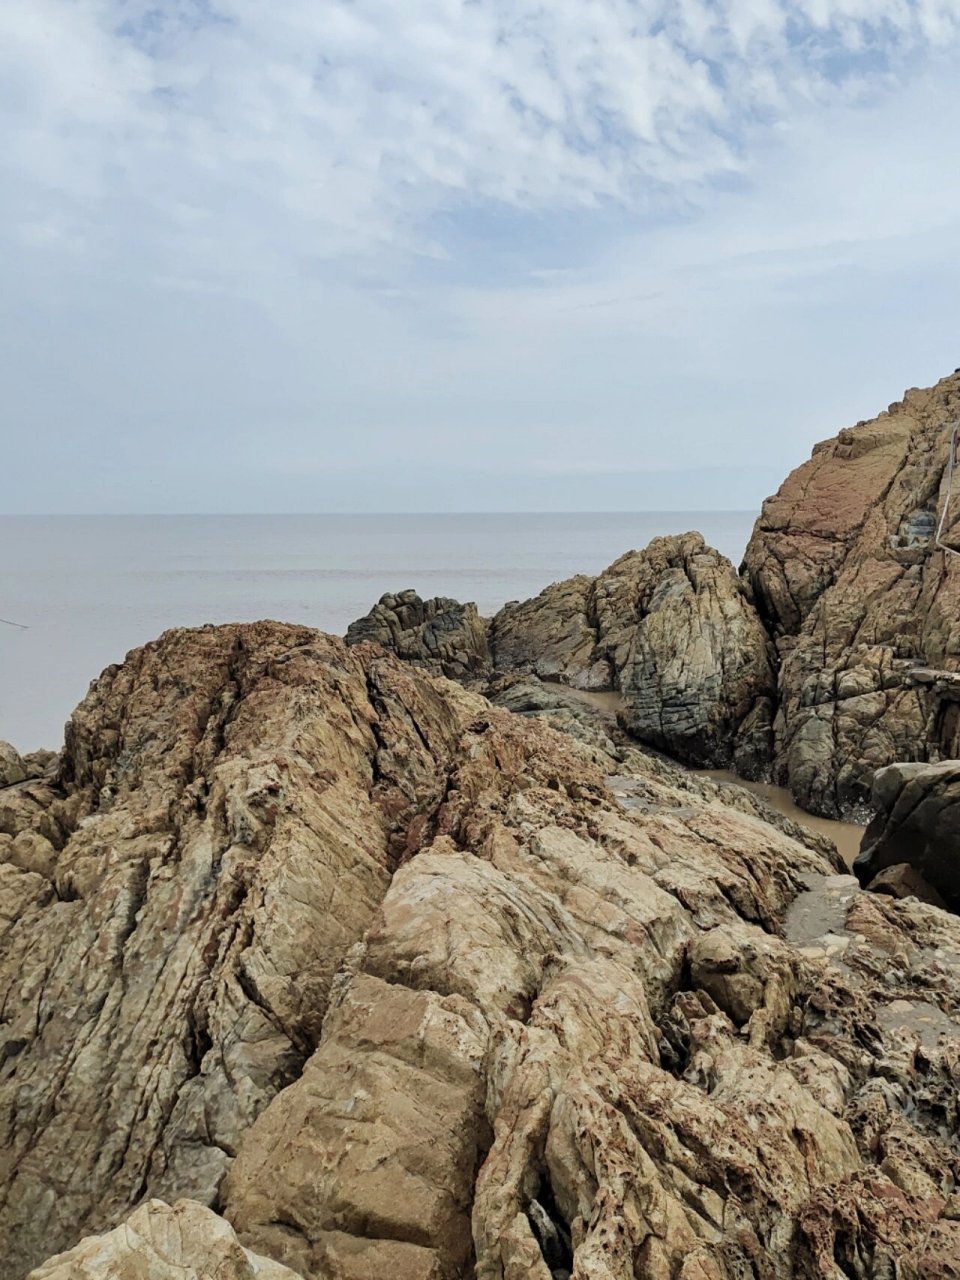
(464, 254)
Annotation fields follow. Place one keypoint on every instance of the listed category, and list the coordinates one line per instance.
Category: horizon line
(246, 515)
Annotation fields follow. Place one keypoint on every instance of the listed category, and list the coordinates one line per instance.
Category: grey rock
(440, 635)
(917, 822)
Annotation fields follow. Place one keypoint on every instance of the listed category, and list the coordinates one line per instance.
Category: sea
(87, 589)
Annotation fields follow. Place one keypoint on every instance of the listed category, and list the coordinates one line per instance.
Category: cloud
(315, 237)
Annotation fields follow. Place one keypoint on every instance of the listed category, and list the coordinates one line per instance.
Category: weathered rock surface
(440, 635)
(12, 767)
(230, 807)
(407, 985)
(157, 1242)
(845, 572)
(670, 629)
(917, 821)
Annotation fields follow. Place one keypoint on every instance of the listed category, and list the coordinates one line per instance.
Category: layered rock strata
(866, 608)
(441, 635)
(403, 984)
(230, 808)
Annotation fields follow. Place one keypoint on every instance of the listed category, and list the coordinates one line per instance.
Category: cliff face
(402, 984)
(865, 608)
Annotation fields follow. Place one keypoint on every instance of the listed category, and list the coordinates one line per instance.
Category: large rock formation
(846, 574)
(407, 985)
(668, 627)
(916, 822)
(440, 635)
(12, 766)
(231, 805)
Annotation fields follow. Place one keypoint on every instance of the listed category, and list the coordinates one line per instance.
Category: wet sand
(845, 835)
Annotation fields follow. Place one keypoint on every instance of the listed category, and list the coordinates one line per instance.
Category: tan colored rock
(157, 1242)
(901, 881)
(695, 668)
(845, 571)
(31, 851)
(563, 952)
(553, 636)
(441, 635)
(231, 804)
(12, 767)
(409, 986)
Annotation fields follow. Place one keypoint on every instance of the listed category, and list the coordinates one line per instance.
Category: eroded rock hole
(551, 1232)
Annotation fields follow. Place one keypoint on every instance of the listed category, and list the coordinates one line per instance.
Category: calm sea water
(92, 587)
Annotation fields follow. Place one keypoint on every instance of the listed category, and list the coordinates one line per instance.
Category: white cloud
(500, 226)
(354, 120)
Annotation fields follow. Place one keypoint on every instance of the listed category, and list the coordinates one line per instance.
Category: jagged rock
(845, 572)
(157, 1242)
(443, 992)
(694, 665)
(670, 628)
(554, 636)
(917, 822)
(440, 635)
(12, 767)
(230, 806)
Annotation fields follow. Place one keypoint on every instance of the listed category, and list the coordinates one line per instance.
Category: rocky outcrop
(866, 608)
(16, 768)
(230, 807)
(917, 822)
(554, 636)
(186, 1242)
(440, 635)
(404, 984)
(671, 630)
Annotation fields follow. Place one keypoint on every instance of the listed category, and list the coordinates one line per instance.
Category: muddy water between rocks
(845, 835)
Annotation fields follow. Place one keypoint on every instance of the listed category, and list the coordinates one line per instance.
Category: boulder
(917, 822)
(40, 763)
(12, 766)
(440, 635)
(671, 629)
(553, 636)
(847, 576)
(694, 665)
(157, 1242)
(230, 806)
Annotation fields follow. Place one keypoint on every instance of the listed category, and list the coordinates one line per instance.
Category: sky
(355, 255)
